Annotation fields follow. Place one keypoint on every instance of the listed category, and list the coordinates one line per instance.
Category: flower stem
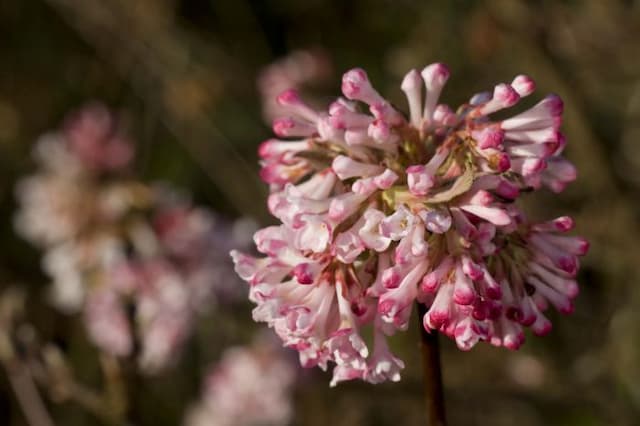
(432, 374)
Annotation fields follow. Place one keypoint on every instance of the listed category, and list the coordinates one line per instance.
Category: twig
(32, 405)
(116, 391)
(54, 376)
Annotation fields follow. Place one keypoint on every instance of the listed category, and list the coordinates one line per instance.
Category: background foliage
(184, 73)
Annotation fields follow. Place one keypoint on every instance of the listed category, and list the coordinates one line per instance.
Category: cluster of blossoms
(250, 386)
(380, 210)
(139, 261)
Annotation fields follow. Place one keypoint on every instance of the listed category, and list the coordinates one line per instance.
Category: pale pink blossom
(168, 276)
(139, 261)
(380, 209)
(250, 386)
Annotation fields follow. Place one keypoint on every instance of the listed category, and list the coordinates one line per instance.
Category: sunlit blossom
(380, 208)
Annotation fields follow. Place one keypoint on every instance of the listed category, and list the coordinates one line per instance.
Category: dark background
(183, 73)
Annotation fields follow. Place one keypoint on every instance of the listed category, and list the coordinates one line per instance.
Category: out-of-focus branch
(54, 375)
(26, 392)
(18, 372)
(116, 390)
(30, 365)
(166, 70)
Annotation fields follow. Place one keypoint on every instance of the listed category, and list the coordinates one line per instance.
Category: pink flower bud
(385, 179)
(464, 293)
(304, 273)
(524, 85)
(346, 168)
(435, 77)
(506, 95)
(489, 137)
(419, 180)
(356, 85)
(285, 127)
(412, 87)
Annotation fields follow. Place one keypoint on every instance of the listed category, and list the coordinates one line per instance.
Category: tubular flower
(294, 70)
(381, 209)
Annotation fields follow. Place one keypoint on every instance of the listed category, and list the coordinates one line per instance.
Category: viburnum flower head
(381, 209)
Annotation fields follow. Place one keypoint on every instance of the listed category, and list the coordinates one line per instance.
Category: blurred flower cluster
(139, 261)
(250, 386)
(380, 209)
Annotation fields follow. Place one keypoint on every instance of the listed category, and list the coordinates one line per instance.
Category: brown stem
(54, 375)
(27, 394)
(116, 390)
(432, 374)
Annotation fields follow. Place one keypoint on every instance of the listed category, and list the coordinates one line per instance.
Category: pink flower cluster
(145, 302)
(250, 386)
(60, 199)
(139, 261)
(380, 210)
